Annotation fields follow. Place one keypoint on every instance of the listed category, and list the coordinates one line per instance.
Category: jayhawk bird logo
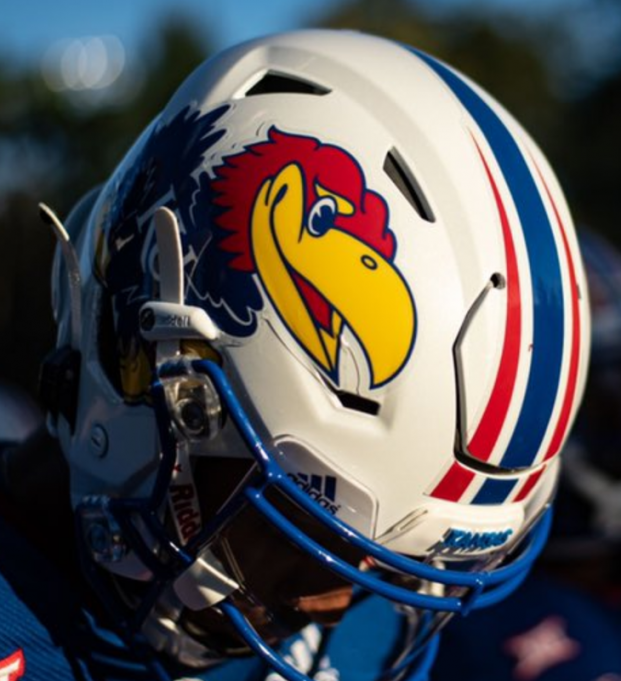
(298, 213)
(288, 218)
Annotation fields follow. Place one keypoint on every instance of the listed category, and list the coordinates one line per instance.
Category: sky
(29, 27)
(38, 32)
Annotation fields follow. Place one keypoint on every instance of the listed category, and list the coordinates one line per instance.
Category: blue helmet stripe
(548, 315)
(494, 491)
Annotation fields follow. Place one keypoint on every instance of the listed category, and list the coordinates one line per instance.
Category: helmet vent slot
(279, 83)
(357, 403)
(405, 182)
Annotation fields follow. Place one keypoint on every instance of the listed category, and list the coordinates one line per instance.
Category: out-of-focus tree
(593, 157)
(54, 148)
(506, 63)
(70, 145)
(545, 68)
(558, 71)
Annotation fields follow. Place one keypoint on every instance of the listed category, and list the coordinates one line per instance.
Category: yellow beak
(366, 292)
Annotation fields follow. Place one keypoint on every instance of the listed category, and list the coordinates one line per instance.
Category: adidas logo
(321, 488)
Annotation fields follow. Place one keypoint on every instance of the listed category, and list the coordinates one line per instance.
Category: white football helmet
(326, 325)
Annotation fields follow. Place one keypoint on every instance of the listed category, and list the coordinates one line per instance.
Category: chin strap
(166, 322)
(193, 405)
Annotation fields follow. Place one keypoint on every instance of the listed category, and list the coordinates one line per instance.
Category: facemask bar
(421, 650)
(487, 587)
(134, 516)
(424, 657)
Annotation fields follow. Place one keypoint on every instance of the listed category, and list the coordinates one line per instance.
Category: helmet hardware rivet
(98, 538)
(147, 319)
(498, 281)
(193, 416)
(98, 441)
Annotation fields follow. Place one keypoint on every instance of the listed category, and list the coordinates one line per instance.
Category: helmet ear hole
(59, 383)
(107, 343)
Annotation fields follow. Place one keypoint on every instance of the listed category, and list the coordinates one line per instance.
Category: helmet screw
(193, 416)
(98, 538)
(98, 442)
(147, 319)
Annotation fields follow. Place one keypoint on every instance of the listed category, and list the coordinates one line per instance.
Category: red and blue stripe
(548, 315)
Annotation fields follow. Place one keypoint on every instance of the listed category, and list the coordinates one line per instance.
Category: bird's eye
(322, 215)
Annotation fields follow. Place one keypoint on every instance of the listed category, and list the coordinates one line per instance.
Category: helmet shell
(394, 274)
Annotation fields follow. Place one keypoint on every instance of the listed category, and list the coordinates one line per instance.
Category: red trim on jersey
(13, 666)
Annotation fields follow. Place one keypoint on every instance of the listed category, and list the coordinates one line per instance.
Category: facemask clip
(101, 531)
(194, 406)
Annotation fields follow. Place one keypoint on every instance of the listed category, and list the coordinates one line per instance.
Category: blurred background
(79, 81)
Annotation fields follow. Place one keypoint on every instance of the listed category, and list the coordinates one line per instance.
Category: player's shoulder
(46, 627)
(357, 649)
(32, 614)
(547, 631)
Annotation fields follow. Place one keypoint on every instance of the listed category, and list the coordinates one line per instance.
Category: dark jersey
(46, 634)
(545, 631)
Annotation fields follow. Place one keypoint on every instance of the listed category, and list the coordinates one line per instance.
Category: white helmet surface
(337, 271)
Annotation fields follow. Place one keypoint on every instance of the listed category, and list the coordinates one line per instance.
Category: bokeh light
(94, 68)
